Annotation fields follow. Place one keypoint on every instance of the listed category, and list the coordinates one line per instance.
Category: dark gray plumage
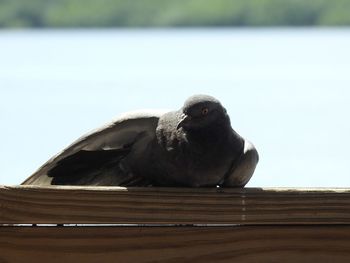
(194, 146)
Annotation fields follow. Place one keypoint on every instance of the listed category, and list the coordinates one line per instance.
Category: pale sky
(287, 91)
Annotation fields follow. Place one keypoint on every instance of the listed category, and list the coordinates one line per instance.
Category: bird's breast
(194, 165)
(193, 159)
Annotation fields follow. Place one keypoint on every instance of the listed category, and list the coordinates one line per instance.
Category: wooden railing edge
(139, 205)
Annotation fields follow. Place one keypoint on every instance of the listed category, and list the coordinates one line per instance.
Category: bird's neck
(214, 133)
(197, 139)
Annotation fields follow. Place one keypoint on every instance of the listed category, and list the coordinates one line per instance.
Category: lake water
(286, 90)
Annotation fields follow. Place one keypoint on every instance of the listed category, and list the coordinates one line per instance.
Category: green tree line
(172, 13)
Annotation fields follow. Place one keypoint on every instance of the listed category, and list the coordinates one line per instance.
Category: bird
(194, 146)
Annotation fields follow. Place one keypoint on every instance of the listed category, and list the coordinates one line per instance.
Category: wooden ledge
(188, 206)
(244, 244)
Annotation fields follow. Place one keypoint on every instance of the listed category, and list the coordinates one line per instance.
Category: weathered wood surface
(176, 244)
(96, 205)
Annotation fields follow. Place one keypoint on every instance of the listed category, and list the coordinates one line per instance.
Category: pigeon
(194, 146)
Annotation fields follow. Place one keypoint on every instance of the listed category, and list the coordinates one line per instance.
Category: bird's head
(200, 111)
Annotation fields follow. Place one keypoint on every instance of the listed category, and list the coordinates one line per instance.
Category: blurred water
(287, 90)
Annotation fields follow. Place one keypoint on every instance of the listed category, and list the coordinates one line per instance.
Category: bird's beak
(183, 121)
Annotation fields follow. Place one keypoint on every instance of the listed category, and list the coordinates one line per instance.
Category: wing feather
(117, 134)
(244, 167)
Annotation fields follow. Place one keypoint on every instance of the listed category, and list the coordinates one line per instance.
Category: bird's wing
(113, 139)
(243, 168)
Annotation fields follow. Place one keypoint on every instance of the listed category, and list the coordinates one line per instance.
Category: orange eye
(205, 111)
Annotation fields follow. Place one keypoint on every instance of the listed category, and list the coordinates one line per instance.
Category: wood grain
(176, 244)
(97, 205)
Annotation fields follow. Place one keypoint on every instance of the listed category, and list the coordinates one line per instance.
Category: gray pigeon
(192, 147)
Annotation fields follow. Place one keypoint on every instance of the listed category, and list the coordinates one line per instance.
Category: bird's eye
(205, 111)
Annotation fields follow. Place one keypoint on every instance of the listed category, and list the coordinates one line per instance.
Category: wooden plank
(250, 206)
(176, 244)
